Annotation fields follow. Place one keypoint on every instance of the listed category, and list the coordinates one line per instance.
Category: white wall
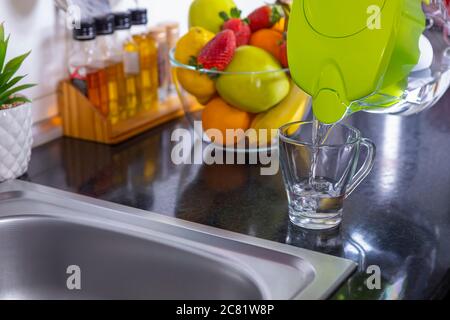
(32, 25)
(36, 25)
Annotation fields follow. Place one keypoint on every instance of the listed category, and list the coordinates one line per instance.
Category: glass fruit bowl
(239, 111)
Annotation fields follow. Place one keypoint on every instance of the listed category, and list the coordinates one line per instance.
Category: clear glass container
(173, 34)
(320, 176)
(160, 36)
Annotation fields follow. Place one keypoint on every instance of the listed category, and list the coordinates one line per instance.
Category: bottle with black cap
(82, 53)
(148, 59)
(139, 20)
(110, 70)
(129, 50)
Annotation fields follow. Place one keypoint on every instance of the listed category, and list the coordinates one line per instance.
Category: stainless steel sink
(124, 253)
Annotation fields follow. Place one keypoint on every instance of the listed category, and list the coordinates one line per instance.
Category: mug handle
(366, 167)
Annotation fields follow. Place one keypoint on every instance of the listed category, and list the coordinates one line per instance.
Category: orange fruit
(221, 116)
(280, 25)
(269, 40)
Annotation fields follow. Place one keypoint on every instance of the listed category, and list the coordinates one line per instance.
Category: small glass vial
(129, 50)
(148, 59)
(159, 35)
(173, 34)
(82, 54)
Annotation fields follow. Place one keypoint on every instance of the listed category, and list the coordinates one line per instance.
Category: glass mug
(320, 175)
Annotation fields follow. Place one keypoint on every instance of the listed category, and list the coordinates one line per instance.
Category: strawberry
(264, 17)
(240, 27)
(241, 30)
(283, 54)
(218, 53)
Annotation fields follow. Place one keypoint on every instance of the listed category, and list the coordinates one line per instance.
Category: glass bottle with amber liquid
(82, 53)
(107, 73)
(148, 58)
(129, 50)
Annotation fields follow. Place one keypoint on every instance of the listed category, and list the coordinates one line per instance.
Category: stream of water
(319, 136)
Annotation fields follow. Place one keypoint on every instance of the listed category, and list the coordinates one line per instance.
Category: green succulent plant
(9, 88)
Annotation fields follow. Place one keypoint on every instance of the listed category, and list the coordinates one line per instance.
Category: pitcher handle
(366, 167)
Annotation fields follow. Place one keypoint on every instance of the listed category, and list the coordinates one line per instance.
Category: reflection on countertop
(398, 219)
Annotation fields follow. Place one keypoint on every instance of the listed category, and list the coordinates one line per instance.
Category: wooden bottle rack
(82, 120)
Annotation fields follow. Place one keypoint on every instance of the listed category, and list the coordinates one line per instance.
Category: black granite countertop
(398, 219)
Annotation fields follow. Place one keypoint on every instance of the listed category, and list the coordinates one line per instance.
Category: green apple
(205, 13)
(253, 92)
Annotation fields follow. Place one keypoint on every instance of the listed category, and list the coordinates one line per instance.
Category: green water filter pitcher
(351, 55)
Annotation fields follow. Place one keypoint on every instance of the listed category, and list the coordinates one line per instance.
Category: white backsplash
(36, 25)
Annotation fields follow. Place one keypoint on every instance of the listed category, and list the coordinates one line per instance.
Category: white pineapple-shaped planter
(16, 140)
(15, 115)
